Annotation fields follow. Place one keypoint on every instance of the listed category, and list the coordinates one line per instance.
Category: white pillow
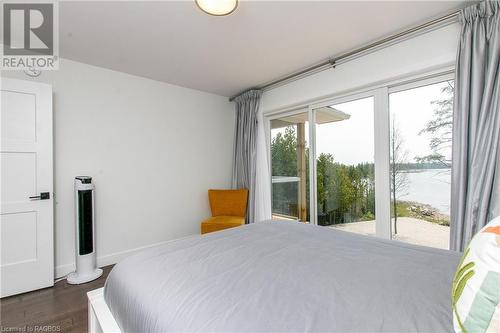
(476, 286)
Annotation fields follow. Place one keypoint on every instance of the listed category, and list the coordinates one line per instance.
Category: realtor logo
(30, 36)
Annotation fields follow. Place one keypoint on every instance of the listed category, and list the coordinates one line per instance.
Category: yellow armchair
(229, 208)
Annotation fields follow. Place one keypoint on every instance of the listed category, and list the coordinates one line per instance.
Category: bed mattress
(283, 277)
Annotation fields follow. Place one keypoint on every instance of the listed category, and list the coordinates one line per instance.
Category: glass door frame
(414, 83)
(380, 94)
(381, 154)
(267, 125)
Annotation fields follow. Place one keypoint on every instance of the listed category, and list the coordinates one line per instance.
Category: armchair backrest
(228, 202)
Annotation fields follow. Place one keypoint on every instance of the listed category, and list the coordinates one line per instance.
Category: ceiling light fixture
(217, 7)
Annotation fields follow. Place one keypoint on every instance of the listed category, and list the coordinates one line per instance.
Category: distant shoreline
(423, 170)
(422, 211)
(430, 187)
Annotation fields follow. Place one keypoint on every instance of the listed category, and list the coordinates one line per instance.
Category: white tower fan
(86, 263)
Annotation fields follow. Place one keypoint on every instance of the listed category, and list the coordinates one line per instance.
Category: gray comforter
(283, 277)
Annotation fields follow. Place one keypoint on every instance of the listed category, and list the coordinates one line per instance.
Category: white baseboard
(110, 259)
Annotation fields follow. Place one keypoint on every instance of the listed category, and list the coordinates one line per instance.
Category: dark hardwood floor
(62, 308)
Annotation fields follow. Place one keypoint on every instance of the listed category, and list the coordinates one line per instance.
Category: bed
(278, 277)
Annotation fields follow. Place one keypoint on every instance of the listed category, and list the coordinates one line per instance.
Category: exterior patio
(410, 230)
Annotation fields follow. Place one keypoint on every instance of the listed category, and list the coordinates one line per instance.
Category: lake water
(430, 186)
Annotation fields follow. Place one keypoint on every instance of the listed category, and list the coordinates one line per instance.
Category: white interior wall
(152, 148)
(431, 50)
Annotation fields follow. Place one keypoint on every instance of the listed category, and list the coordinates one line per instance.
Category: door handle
(42, 196)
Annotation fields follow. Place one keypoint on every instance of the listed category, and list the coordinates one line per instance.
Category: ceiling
(176, 43)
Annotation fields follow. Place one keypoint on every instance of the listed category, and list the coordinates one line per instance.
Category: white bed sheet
(283, 277)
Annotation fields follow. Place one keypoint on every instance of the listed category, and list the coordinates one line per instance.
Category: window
(345, 166)
(420, 157)
(290, 171)
(379, 162)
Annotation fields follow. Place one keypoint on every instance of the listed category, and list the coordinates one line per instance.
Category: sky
(352, 141)
(412, 110)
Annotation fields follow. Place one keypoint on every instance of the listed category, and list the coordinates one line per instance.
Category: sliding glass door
(290, 167)
(421, 120)
(345, 169)
(375, 163)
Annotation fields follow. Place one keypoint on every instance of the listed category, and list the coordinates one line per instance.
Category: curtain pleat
(475, 187)
(245, 145)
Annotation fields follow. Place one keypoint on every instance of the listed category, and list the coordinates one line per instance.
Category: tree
(325, 180)
(399, 178)
(344, 192)
(284, 153)
(284, 163)
(348, 193)
(440, 127)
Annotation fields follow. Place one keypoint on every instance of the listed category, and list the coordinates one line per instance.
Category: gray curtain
(475, 186)
(245, 146)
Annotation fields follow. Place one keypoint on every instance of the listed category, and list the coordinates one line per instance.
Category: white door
(26, 226)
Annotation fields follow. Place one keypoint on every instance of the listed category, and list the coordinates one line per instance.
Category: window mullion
(382, 167)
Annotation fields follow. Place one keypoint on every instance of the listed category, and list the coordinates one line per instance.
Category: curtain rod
(330, 63)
